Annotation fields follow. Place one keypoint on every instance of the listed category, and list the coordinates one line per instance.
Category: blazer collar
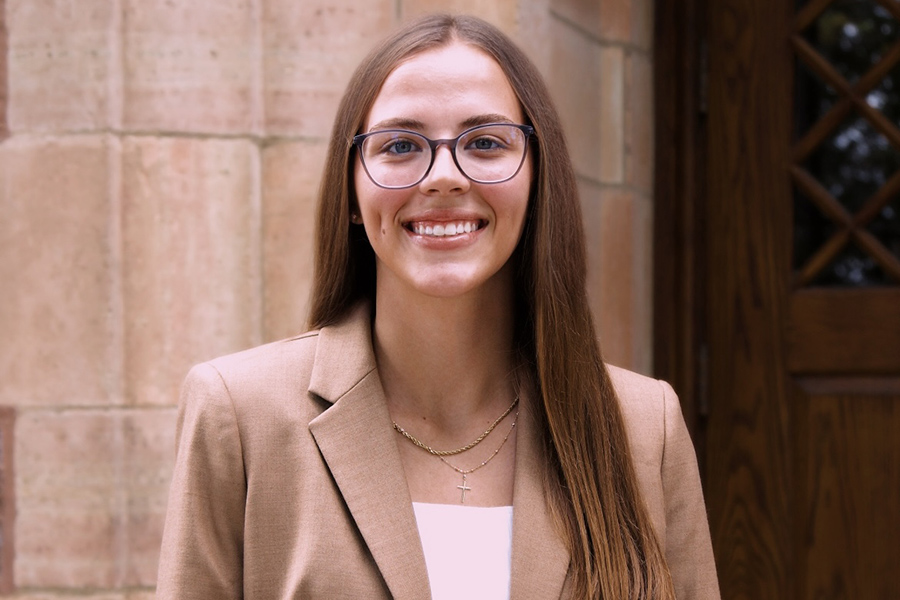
(358, 444)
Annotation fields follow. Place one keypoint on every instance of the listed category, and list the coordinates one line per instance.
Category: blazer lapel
(540, 559)
(357, 442)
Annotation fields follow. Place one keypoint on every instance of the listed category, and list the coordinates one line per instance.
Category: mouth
(433, 229)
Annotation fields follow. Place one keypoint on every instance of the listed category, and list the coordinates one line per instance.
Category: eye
(484, 143)
(396, 146)
(400, 147)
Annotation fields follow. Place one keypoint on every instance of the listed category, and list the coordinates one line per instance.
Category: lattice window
(846, 156)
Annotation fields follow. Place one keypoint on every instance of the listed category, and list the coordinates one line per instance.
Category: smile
(445, 229)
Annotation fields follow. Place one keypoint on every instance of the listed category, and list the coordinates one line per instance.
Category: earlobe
(355, 218)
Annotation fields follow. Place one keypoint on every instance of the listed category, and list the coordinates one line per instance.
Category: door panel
(848, 521)
(802, 295)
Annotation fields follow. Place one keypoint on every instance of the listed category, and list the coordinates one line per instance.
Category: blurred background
(739, 170)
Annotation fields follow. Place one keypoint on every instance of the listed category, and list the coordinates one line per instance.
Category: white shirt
(468, 550)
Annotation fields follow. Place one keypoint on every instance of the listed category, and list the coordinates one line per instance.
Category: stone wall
(158, 167)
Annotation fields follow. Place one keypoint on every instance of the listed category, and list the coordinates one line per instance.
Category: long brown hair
(593, 489)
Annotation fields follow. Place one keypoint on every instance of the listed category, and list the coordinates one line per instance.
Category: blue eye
(485, 143)
(401, 147)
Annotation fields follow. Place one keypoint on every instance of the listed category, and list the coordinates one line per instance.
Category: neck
(446, 361)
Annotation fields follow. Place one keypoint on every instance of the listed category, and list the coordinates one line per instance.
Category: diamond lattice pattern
(846, 157)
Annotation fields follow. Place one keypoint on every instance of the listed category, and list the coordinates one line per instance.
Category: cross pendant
(464, 489)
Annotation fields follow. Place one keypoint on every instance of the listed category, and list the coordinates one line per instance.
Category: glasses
(396, 158)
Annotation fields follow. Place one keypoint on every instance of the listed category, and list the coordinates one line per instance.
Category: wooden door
(795, 350)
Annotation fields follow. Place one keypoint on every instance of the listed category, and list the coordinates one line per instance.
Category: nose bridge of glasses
(449, 145)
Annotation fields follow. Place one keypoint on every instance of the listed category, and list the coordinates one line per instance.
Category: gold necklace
(466, 472)
(468, 446)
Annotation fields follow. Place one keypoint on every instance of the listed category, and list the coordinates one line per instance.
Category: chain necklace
(466, 472)
(469, 446)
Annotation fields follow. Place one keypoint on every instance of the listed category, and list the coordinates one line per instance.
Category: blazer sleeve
(201, 555)
(688, 547)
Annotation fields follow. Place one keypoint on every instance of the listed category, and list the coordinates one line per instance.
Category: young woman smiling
(448, 427)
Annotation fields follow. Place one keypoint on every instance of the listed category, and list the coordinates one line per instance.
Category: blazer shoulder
(644, 400)
(268, 360)
(651, 413)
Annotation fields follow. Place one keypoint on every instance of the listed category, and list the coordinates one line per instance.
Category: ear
(355, 218)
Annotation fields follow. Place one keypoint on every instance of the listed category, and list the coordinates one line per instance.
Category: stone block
(615, 20)
(612, 115)
(63, 73)
(533, 33)
(7, 497)
(91, 495)
(291, 174)
(642, 15)
(191, 274)
(590, 194)
(642, 324)
(502, 13)
(617, 274)
(606, 20)
(638, 122)
(149, 455)
(57, 257)
(192, 66)
(583, 14)
(310, 50)
(4, 80)
(69, 502)
(576, 87)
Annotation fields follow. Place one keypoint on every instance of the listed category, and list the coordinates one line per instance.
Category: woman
(448, 425)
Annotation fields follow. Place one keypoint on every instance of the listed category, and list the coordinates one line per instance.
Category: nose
(444, 177)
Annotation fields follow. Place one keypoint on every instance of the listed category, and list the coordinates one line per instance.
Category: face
(439, 94)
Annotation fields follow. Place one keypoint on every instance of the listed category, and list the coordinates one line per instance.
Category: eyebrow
(416, 125)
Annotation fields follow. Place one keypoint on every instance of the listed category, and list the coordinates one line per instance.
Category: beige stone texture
(62, 65)
(191, 66)
(616, 20)
(642, 24)
(642, 323)
(590, 194)
(91, 489)
(576, 86)
(291, 174)
(612, 114)
(638, 123)
(310, 50)
(57, 319)
(533, 32)
(616, 269)
(148, 459)
(4, 80)
(583, 14)
(502, 13)
(67, 467)
(618, 257)
(191, 274)
(605, 20)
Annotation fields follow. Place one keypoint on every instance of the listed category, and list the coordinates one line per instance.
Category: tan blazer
(288, 483)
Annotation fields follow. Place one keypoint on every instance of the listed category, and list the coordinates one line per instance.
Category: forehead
(443, 87)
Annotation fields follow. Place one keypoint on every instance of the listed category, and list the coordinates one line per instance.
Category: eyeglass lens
(486, 154)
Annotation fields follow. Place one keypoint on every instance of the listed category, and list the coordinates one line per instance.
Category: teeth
(446, 229)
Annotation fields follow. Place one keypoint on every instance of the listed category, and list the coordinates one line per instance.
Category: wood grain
(848, 522)
(842, 331)
(748, 278)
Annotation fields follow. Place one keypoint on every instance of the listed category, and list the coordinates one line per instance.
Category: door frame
(680, 61)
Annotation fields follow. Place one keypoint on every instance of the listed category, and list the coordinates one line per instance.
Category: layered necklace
(442, 454)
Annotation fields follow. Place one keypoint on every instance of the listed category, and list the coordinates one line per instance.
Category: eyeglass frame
(451, 144)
